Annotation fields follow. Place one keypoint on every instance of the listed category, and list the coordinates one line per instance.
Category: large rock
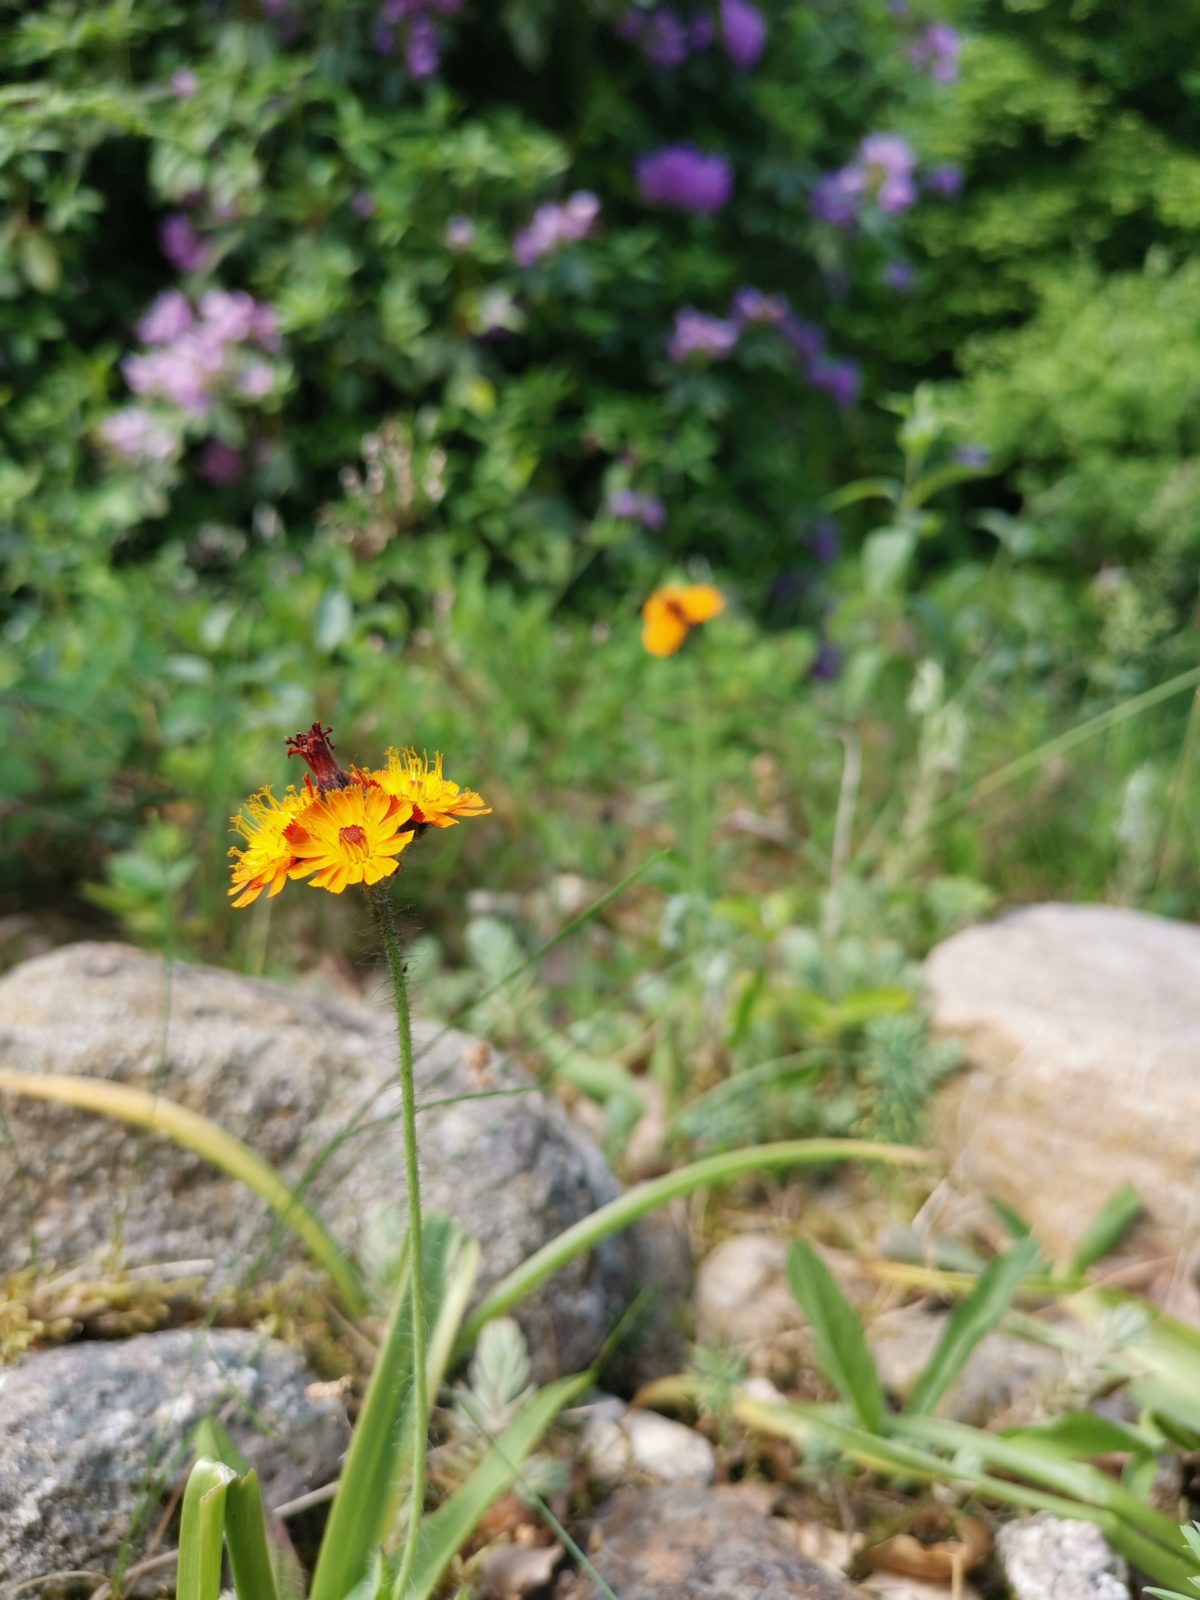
(310, 1084)
(702, 1544)
(1082, 1028)
(1047, 1558)
(94, 1436)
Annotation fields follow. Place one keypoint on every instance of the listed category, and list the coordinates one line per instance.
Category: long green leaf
(1111, 1222)
(204, 1138)
(838, 1339)
(970, 1320)
(201, 1531)
(646, 1197)
(377, 1461)
(246, 1536)
(451, 1525)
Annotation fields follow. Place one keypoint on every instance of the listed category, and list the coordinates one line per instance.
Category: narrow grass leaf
(246, 1535)
(1081, 1434)
(201, 1531)
(970, 1320)
(838, 1338)
(1115, 1217)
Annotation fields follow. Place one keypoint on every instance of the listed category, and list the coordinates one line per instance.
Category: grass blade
(1111, 1222)
(204, 1138)
(838, 1338)
(451, 1525)
(970, 1320)
(246, 1535)
(201, 1531)
(373, 1475)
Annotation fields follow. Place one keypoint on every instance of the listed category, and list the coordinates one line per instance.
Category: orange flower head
(350, 835)
(263, 822)
(435, 800)
(671, 611)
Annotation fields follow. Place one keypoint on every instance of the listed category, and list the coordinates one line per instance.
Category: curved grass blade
(838, 1338)
(202, 1530)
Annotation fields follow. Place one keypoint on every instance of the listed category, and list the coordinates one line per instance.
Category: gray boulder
(310, 1084)
(1048, 1558)
(705, 1544)
(94, 1436)
(1081, 1026)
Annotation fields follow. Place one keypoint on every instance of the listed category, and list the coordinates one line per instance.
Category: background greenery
(403, 521)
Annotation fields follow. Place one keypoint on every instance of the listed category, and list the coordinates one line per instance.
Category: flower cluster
(413, 21)
(699, 334)
(936, 51)
(685, 179)
(554, 226)
(342, 827)
(672, 611)
(630, 506)
(882, 174)
(667, 39)
(194, 358)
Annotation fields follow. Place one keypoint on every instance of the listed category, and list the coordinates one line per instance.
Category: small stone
(93, 1437)
(702, 1544)
(742, 1299)
(667, 1450)
(1049, 1558)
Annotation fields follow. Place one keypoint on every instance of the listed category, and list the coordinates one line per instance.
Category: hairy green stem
(412, 1177)
(644, 1197)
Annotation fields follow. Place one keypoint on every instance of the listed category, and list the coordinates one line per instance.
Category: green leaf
(838, 1338)
(451, 1525)
(970, 1320)
(201, 1530)
(864, 489)
(1111, 1222)
(1081, 1434)
(886, 556)
(246, 1535)
(376, 1464)
(333, 621)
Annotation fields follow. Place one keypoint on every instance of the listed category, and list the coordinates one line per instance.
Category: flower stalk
(386, 923)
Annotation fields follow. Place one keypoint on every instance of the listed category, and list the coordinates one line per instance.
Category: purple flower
(553, 226)
(181, 244)
(743, 32)
(837, 378)
(264, 326)
(421, 48)
(166, 318)
(664, 39)
(647, 509)
(700, 34)
(977, 456)
(946, 180)
(137, 436)
(221, 464)
(936, 50)
(825, 541)
(835, 197)
(362, 203)
(698, 333)
(805, 338)
(827, 663)
(898, 275)
(228, 316)
(752, 305)
(256, 380)
(184, 83)
(383, 37)
(887, 162)
(684, 178)
(460, 234)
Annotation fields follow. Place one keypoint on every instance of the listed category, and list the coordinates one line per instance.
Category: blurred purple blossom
(460, 234)
(827, 663)
(972, 455)
(362, 203)
(137, 436)
(898, 275)
(743, 32)
(184, 83)
(936, 51)
(825, 541)
(181, 244)
(946, 179)
(698, 333)
(752, 305)
(838, 378)
(684, 178)
(630, 506)
(220, 464)
(227, 316)
(553, 226)
(805, 338)
(835, 197)
(421, 48)
(256, 380)
(383, 38)
(166, 318)
(888, 162)
(700, 34)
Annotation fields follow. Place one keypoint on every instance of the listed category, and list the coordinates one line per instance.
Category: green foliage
(840, 1344)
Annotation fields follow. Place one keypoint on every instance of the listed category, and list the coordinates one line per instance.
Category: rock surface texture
(310, 1084)
(93, 1436)
(680, 1543)
(1081, 1026)
(1045, 1558)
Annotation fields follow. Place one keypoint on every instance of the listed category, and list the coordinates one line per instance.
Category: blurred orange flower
(672, 610)
(434, 798)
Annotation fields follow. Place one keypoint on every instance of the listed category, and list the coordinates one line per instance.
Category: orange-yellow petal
(664, 628)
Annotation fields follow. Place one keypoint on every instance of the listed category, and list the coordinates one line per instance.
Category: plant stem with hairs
(408, 1123)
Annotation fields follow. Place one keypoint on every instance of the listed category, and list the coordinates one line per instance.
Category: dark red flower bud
(314, 748)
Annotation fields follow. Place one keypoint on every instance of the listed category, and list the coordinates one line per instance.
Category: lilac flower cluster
(415, 21)
(685, 179)
(882, 174)
(698, 333)
(667, 39)
(630, 506)
(936, 51)
(554, 226)
(193, 359)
